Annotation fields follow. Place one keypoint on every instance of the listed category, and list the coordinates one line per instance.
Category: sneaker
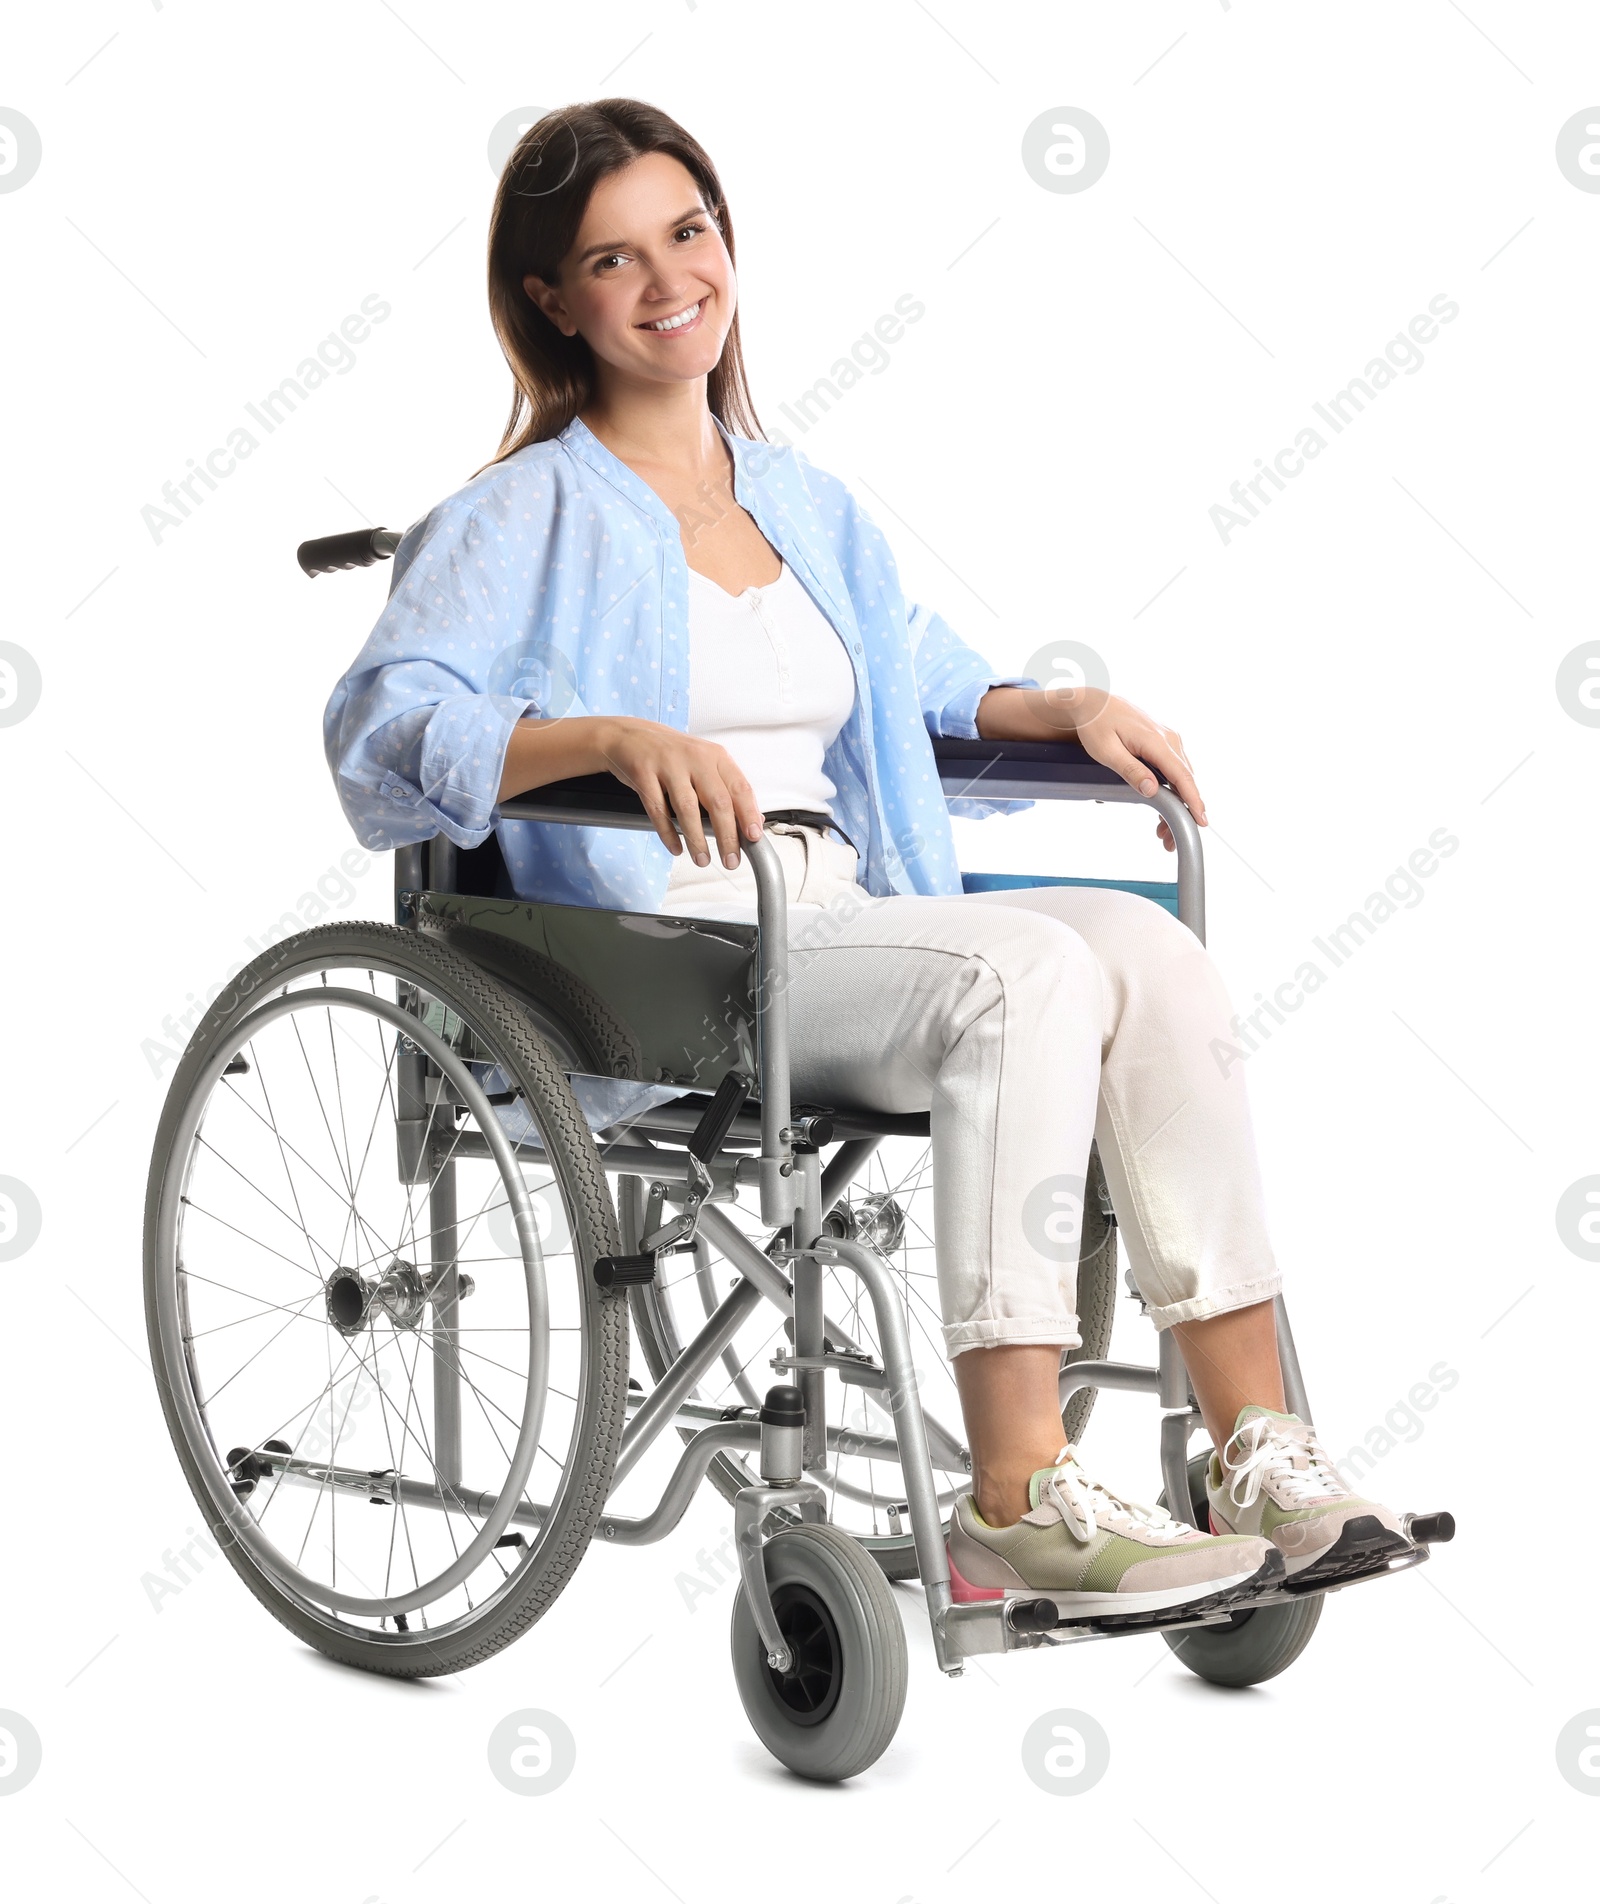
(1096, 1554)
(1279, 1483)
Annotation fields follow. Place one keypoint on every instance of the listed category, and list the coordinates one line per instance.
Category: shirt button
(857, 646)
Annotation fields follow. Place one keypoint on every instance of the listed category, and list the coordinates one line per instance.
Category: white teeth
(675, 323)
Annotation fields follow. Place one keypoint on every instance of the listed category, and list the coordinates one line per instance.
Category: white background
(1374, 658)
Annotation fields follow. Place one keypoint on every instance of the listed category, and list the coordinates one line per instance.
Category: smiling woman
(558, 189)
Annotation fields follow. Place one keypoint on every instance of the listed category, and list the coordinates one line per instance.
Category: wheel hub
(809, 1686)
(877, 1219)
(402, 1293)
(346, 1296)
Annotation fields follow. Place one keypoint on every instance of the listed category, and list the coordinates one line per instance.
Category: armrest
(1000, 769)
(1025, 770)
(1061, 770)
(588, 800)
(993, 769)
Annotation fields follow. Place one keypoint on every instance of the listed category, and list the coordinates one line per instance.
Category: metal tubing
(754, 1263)
(916, 1469)
(670, 1165)
(809, 1323)
(1294, 1385)
(772, 1031)
(1076, 1375)
(1177, 1423)
(654, 1414)
(840, 1440)
(809, 1207)
(719, 1438)
(444, 1341)
(843, 1167)
(1191, 861)
(1185, 834)
(751, 1506)
(1175, 1462)
(809, 1331)
(746, 1256)
(1173, 1383)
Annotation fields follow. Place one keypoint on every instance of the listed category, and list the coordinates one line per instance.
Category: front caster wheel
(1256, 1644)
(835, 1709)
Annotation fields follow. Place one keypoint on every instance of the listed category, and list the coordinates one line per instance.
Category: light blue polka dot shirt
(555, 583)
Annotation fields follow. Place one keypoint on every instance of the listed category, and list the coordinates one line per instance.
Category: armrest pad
(1029, 769)
(587, 793)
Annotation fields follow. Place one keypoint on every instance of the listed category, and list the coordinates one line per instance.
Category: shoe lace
(1286, 1453)
(1082, 1502)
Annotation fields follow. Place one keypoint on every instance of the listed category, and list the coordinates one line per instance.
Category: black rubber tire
(563, 1542)
(869, 1649)
(1253, 1646)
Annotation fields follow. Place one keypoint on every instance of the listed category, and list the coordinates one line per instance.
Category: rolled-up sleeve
(951, 677)
(416, 731)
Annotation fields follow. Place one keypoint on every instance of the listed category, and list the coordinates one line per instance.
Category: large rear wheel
(373, 1212)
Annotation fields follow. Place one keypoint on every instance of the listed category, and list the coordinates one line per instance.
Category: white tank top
(769, 680)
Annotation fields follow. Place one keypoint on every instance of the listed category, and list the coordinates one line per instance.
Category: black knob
(783, 1408)
(1033, 1616)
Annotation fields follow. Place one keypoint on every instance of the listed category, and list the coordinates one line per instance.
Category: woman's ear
(549, 300)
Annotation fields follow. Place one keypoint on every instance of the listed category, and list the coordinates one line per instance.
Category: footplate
(1013, 1624)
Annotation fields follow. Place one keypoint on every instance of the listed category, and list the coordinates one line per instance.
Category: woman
(720, 626)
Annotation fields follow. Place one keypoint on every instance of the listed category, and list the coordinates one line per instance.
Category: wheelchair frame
(796, 1196)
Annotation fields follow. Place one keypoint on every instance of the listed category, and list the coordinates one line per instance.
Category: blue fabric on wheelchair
(1163, 892)
(605, 1102)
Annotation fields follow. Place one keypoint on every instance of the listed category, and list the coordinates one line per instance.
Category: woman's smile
(687, 319)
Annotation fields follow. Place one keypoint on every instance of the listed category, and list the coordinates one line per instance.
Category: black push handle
(357, 549)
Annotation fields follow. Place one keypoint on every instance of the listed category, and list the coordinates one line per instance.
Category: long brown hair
(538, 208)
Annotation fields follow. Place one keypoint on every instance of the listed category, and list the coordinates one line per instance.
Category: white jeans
(1025, 1022)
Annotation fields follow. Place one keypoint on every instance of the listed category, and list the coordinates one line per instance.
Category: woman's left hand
(1108, 729)
(1130, 741)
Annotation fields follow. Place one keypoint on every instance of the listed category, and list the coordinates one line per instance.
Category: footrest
(617, 1272)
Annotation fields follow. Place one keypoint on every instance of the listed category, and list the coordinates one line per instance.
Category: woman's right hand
(675, 774)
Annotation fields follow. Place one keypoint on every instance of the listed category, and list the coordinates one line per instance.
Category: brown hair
(543, 193)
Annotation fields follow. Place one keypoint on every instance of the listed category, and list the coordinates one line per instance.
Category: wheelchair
(416, 1189)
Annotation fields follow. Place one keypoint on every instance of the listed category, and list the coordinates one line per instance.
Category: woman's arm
(672, 773)
(1109, 729)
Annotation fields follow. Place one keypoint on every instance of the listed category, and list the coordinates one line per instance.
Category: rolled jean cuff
(1046, 1331)
(1216, 1302)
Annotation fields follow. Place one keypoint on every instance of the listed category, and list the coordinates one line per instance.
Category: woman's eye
(611, 257)
(689, 231)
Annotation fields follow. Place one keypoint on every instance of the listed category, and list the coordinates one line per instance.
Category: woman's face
(647, 251)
